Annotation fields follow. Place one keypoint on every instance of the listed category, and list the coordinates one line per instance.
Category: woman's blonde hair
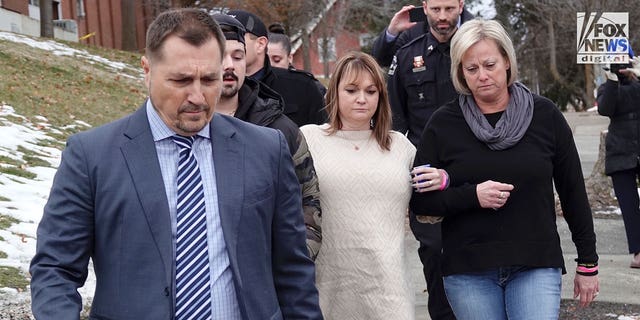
(472, 32)
(349, 68)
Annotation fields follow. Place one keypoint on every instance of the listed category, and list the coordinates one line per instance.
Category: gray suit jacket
(108, 202)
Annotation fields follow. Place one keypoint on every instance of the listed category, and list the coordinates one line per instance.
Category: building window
(34, 3)
(326, 49)
(80, 8)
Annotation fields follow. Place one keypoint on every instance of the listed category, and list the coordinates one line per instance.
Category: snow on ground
(26, 197)
(61, 49)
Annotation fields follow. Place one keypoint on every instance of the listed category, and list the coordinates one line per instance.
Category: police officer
(304, 103)
(402, 30)
(419, 83)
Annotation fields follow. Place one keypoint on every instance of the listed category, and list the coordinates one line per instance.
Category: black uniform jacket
(419, 83)
(303, 101)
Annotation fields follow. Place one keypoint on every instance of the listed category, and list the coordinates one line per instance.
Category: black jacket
(303, 102)
(621, 103)
(419, 83)
(260, 105)
(383, 51)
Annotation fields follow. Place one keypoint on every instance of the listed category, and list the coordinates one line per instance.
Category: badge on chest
(418, 64)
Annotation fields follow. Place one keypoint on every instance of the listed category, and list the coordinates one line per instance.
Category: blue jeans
(513, 293)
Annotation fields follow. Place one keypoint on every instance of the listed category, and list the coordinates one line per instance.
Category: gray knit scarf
(512, 125)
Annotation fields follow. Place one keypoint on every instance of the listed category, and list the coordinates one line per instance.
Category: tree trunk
(159, 6)
(46, 18)
(306, 57)
(589, 86)
(599, 186)
(129, 39)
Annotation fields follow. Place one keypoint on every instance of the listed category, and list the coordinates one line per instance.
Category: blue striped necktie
(193, 294)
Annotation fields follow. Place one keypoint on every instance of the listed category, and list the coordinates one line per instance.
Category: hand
(586, 287)
(426, 178)
(400, 21)
(635, 62)
(611, 76)
(633, 72)
(492, 194)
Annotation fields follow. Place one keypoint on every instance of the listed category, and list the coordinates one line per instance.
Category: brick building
(97, 22)
(101, 23)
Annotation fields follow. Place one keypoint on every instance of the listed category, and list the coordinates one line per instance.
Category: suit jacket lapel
(141, 157)
(228, 161)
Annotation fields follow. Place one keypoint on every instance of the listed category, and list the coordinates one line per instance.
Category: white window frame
(80, 8)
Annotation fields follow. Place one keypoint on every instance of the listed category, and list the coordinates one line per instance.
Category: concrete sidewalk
(618, 282)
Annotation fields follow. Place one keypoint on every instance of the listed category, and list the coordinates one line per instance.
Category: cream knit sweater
(364, 195)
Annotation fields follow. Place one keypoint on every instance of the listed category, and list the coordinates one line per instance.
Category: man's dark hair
(194, 26)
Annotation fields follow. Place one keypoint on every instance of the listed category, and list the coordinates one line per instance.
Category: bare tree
(156, 7)
(46, 18)
(294, 15)
(544, 34)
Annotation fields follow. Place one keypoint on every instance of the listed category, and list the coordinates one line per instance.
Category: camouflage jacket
(306, 174)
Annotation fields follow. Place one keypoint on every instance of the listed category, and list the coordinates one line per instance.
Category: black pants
(625, 185)
(430, 252)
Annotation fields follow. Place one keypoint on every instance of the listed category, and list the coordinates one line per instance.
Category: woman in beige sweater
(363, 172)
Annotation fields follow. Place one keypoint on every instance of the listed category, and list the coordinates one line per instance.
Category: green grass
(52, 143)
(10, 161)
(33, 161)
(63, 89)
(6, 221)
(4, 199)
(3, 255)
(32, 157)
(19, 172)
(11, 277)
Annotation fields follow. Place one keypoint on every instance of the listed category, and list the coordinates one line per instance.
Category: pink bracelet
(445, 180)
(587, 270)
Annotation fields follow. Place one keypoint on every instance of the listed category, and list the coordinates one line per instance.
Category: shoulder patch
(393, 66)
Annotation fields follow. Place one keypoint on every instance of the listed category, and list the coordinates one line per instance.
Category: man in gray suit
(186, 215)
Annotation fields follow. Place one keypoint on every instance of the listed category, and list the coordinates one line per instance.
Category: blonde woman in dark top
(504, 148)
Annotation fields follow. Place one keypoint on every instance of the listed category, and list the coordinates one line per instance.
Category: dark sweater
(523, 232)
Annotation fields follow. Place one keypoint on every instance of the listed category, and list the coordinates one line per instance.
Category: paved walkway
(618, 282)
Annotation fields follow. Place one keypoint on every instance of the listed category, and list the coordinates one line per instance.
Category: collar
(432, 44)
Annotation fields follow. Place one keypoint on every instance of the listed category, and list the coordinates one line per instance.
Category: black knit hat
(251, 22)
(232, 28)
